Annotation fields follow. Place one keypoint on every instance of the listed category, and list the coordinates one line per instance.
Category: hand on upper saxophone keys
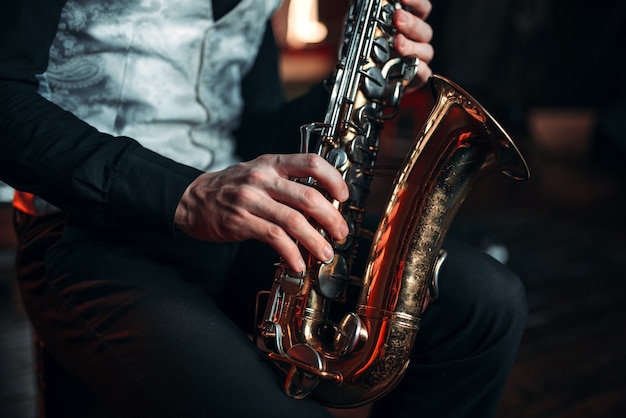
(414, 36)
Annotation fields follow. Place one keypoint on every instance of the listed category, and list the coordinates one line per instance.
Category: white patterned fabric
(160, 71)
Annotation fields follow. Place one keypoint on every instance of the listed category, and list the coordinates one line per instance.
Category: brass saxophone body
(361, 356)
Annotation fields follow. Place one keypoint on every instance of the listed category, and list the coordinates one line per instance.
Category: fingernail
(329, 254)
(398, 42)
(401, 16)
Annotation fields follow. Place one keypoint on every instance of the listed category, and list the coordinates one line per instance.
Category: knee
(482, 304)
(467, 341)
(476, 280)
(490, 296)
(504, 307)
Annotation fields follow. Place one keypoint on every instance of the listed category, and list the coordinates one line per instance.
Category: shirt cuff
(145, 189)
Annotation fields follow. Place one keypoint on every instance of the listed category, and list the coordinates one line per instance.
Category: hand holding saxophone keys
(257, 200)
(414, 36)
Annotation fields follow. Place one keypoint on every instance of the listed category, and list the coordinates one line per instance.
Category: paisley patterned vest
(163, 72)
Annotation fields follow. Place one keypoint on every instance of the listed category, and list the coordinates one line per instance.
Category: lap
(147, 321)
(144, 332)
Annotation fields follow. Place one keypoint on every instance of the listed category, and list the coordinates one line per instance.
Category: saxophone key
(351, 334)
(332, 277)
(291, 282)
(381, 51)
(374, 86)
(338, 158)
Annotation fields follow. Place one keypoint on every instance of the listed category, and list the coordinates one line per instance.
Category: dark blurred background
(552, 72)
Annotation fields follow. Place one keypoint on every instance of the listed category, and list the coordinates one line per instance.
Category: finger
(424, 51)
(303, 197)
(412, 27)
(312, 165)
(248, 214)
(311, 202)
(420, 8)
(423, 74)
(282, 222)
(276, 237)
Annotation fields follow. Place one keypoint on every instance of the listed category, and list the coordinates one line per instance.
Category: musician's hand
(256, 200)
(415, 35)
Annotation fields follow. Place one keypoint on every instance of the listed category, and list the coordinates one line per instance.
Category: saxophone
(360, 356)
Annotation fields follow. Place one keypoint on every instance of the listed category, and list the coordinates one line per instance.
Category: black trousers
(140, 324)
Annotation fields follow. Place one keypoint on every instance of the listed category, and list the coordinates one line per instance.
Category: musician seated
(153, 154)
